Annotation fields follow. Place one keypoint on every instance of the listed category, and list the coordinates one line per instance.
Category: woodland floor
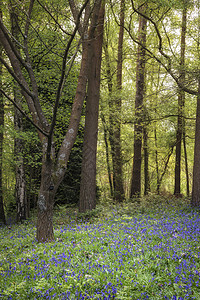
(133, 251)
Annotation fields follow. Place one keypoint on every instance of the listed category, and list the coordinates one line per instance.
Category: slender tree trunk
(181, 101)
(177, 188)
(111, 114)
(20, 185)
(116, 139)
(146, 162)
(165, 169)
(115, 113)
(195, 202)
(2, 213)
(105, 130)
(88, 171)
(157, 168)
(140, 90)
(186, 162)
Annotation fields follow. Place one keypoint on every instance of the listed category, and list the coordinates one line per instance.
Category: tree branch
(62, 78)
(12, 46)
(160, 48)
(30, 70)
(17, 79)
(57, 23)
(17, 62)
(24, 114)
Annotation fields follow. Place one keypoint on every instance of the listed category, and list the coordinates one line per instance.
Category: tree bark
(45, 202)
(88, 171)
(111, 115)
(140, 90)
(181, 101)
(115, 112)
(2, 212)
(119, 194)
(105, 130)
(156, 161)
(164, 170)
(146, 162)
(186, 162)
(20, 185)
(195, 201)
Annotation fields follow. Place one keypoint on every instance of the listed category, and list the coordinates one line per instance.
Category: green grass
(132, 251)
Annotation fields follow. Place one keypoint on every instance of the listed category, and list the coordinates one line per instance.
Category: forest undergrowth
(146, 250)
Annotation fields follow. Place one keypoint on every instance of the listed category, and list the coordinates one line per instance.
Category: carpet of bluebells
(140, 256)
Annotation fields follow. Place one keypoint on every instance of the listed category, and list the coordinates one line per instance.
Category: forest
(99, 102)
(99, 149)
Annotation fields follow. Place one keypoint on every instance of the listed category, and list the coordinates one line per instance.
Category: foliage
(122, 255)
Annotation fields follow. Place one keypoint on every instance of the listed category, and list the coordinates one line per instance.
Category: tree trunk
(105, 130)
(88, 171)
(181, 101)
(2, 213)
(45, 202)
(53, 174)
(115, 113)
(195, 201)
(140, 90)
(111, 115)
(186, 162)
(146, 162)
(156, 158)
(20, 185)
(165, 169)
(117, 155)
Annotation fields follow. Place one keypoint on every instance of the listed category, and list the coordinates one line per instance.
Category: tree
(20, 185)
(53, 166)
(140, 90)
(195, 202)
(146, 160)
(116, 138)
(167, 63)
(106, 140)
(88, 170)
(108, 128)
(113, 74)
(2, 213)
(181, 100)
